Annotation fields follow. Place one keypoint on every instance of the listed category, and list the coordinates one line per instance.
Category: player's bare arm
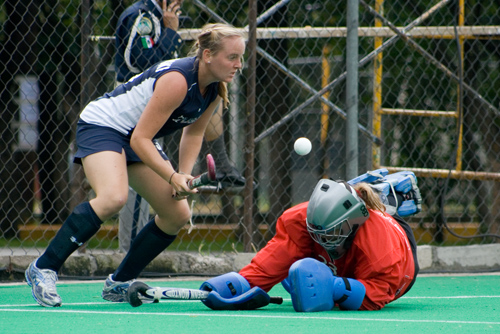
(192, 138)
(157, 112)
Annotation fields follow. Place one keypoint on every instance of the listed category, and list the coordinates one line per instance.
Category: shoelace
(49, 278)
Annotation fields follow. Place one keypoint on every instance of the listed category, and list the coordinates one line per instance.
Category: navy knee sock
(217, 148)
(79, 227)
(148, 244)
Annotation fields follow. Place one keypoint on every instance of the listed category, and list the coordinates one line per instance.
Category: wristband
(170, 180)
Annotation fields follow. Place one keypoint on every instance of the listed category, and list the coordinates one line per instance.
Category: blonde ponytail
(371, 198)
(224, 94)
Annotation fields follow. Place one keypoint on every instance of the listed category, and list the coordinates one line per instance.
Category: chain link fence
(428, 101)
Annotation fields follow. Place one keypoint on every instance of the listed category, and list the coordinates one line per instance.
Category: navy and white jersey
(122, 108)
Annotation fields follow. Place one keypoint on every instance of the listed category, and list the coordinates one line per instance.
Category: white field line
(215, 314)
(197, 301)
(95, 303)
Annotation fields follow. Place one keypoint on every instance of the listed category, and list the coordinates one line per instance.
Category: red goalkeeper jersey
(380, 256)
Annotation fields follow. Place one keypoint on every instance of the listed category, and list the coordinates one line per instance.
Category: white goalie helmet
(334, 213)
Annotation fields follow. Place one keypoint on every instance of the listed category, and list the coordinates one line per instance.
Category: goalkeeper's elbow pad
(348, 293)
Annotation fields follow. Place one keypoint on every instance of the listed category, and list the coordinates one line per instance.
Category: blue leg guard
(403, 183)
(311, 286)
(286, 284)
(314, 288)
(414, 198)
(369, 177)
(400, 182)
(408, 208)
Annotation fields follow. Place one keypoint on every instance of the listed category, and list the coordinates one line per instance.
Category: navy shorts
(92, 139)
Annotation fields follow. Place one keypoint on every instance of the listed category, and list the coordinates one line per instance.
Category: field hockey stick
(137, 289)
(205, 178)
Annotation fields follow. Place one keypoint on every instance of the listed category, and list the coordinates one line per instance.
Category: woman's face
(225, 63)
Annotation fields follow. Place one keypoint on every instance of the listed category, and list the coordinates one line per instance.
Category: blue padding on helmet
(229, 285)
(348, 293)
(311, 286)
(250, 300)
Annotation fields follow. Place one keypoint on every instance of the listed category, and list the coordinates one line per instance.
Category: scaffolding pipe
(319, 94)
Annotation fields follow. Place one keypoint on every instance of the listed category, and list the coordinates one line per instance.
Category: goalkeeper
(342, 248)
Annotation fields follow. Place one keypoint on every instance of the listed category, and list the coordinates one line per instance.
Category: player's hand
(180, 189)
(171, 14)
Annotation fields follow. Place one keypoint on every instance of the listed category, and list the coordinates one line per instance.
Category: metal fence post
(352, 89)
(250, 128)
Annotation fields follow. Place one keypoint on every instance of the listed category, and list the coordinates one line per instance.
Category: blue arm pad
(348, 293)
(311, 286)
(227, 286)
(250, 300)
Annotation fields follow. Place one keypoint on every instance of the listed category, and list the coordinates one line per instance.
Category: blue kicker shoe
(43, 285)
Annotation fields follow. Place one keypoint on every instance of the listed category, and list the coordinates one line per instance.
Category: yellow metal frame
(325, 109)
(378, 111)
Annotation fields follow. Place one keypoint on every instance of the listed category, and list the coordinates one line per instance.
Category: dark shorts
(92, 139)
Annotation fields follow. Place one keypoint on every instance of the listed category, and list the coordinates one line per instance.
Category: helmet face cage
(334, 214)
(332, 238)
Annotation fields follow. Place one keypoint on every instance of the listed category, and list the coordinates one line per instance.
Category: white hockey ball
(302, 146)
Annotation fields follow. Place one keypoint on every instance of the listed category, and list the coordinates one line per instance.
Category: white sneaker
(43, 285)
(115, 291)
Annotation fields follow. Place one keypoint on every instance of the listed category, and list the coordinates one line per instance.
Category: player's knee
(182, 219)
(110, 204)
(117, 202)
(175, 218)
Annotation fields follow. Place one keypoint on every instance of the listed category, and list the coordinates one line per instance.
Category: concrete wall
(476, 258)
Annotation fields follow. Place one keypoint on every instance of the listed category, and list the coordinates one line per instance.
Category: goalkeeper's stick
(205, 178)
(138, 289)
